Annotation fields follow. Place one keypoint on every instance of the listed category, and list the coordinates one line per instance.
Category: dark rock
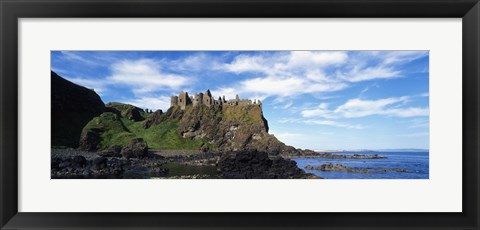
(204, 148)
(309, 167)
(258, 165)
(228, 128)
(99, 163)
(339, 167)
(90, 139)
(156, 118)
(137, 148)
(128, 111)
(112, 151)
(395, 170)
(72, 107)
(78, 162)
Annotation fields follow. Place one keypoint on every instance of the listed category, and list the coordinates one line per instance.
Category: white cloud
(407, 112)
(369, 73)
(99, 86)
(145, 76)
(229, 93)
(288, 105)
(321, 111)
(354, 108)
(362, 108)
(403, 56)
(334, 123)
(286, 74)
(153, 103)
(322, 122)
(71, 55)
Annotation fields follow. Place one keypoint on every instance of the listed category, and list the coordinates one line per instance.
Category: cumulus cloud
(357, 107)
(74, 56)
(321, 111)
(100, 86)
(334, 123)
(145, 76)
(287, 74)
(153, 103)
(361, 108)
(322, 122)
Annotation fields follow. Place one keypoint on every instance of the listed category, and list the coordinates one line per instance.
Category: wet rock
(339, 167)
(309, 167)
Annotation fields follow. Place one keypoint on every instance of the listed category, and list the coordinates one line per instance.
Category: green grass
(114, 131)
(162, 136)
(118, 130)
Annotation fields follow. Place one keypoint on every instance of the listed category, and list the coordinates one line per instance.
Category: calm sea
(415, 161)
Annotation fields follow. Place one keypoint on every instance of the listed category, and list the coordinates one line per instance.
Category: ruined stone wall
(183, 100)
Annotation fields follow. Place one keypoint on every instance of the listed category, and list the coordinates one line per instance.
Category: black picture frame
(12, 10)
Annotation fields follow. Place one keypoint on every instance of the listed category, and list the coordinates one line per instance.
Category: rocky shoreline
(339, 167)
(337, 156)
(76, 164)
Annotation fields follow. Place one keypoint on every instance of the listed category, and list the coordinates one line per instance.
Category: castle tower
(207, 99)
(184, 100)
(173, 101)
(198, 99)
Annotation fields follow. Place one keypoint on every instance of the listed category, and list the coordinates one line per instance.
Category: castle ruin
(183, 100)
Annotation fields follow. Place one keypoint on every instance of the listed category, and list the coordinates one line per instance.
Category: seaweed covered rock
(252, 164)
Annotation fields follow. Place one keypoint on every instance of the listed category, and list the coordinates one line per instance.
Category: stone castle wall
(183, 100)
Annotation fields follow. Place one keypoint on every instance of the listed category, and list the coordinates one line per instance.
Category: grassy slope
(162, 136)
(115, 133)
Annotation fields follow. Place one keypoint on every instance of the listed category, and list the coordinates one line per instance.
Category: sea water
(412, 161)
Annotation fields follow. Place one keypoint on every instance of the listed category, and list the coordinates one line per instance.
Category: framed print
(316, 114)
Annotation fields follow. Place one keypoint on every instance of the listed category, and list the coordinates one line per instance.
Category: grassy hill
(113, 128)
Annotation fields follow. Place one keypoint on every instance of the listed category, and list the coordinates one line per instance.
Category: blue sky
(323, 100)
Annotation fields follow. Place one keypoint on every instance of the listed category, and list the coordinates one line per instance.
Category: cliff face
(227, 128)
(73, 106)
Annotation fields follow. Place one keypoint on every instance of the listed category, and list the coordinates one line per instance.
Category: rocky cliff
(72, 107)
(225, 128)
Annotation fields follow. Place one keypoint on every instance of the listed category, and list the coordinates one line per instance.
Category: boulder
(251, 164)
(128, 111)
(137, 148)
(156, 118)
(78, 162)
(90, 140)
(99, 163)
(112, 151)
